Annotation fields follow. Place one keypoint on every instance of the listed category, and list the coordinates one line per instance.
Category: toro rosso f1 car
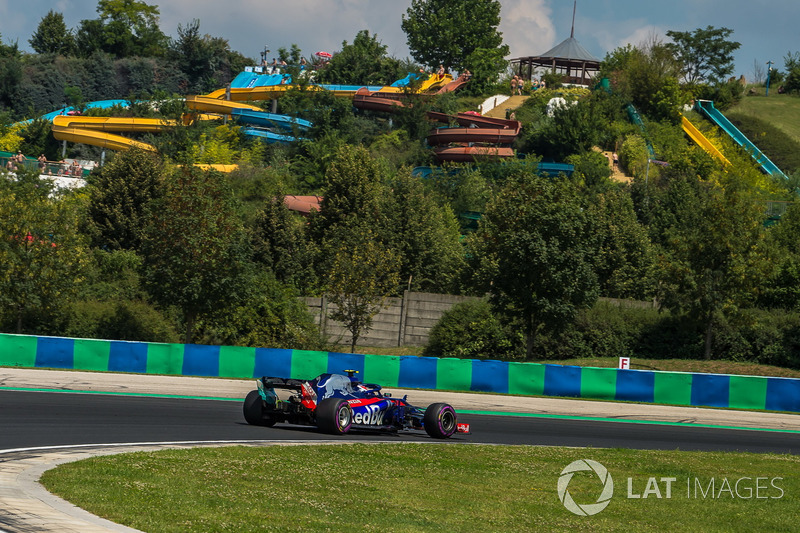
(336, 403)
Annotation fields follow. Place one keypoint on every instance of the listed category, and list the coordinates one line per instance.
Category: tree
(533, 252)
(125, 28)
(361, 273)
(194, 246)
(42, 254)
(706, 53)
(352, 191)
(792, 63)
(647, 76)
(52, 36)
(425, 236)
(362, 63)
(447, 33)
(119, 198)
(280, 244)
(207, 62)
(715, 254)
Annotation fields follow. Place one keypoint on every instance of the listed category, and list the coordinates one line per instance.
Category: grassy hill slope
(780, 110)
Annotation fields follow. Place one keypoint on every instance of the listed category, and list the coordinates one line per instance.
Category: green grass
(424, 487)
(780, 110)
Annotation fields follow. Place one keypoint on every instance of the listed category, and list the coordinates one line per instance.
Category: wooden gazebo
(568, 58)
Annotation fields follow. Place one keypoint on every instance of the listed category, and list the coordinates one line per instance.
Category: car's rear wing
(282, 383)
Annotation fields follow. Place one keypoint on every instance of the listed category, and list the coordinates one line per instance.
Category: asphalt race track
(41, 419)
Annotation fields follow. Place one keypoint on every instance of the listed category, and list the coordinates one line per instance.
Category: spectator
(513, 85)
(440, 71)
(42, 162)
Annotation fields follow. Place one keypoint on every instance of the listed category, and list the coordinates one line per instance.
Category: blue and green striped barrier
(674, 388)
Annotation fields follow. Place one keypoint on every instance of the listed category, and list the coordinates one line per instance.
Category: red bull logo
(372, 416)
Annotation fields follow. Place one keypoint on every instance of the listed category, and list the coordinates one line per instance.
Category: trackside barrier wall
(676, 388)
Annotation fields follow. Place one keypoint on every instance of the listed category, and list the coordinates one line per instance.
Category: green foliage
(52, 36)
(573, 129)
(42, 256)
(194, 246)
(792, 62)
(119, 196)
(360, 272)
(280, 244)
(470, 330)
(781, 149)
(625, 262)
(425, 236)
(633, 155)
(533, 253)
(485, 64)
(647, 76)
(130, 320)
(712, 268)
(592, 171)
(362, 63)
(207, 63)
(270, 314)
(705, 53)
(37, 139)
(125, 28)
(448, 33)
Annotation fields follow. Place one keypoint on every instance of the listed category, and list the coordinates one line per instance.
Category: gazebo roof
(569, 49)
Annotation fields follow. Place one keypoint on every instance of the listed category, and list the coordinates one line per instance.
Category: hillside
(780, 110)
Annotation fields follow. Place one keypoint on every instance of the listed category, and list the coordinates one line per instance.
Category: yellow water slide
(92, 130)
(215, 105)
(702, 141)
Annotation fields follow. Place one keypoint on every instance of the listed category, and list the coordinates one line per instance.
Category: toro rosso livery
(336, 403)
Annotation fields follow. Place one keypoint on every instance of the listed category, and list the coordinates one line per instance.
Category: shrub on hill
(779, 147)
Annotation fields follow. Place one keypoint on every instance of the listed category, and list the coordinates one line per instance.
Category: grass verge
(424, 487)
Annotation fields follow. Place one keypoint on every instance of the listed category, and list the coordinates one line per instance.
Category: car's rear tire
(334, 416)
(440, 420)
(253, 409)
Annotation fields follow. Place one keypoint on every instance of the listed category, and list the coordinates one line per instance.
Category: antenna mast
(574, 8)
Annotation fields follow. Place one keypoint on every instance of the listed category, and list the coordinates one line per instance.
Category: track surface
(34, 419)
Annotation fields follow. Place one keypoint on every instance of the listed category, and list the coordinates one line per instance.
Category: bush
(127, 320)
(470, 330)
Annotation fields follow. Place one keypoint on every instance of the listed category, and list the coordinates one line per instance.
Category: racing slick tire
(440, 420)
(254, 410)
(334, 416)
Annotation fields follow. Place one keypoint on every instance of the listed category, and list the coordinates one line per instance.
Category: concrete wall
(405, 321)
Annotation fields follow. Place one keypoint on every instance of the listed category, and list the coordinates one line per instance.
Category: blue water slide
(352, 88)
(269, 136)
(100, 104)
(269, 120)
(248, 80)
(707, 108)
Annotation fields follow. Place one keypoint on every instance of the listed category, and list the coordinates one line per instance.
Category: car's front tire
(440, 420)
(253, 409)
(334, 416)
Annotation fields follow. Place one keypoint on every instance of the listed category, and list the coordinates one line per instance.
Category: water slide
(701, 140)
(66, 128)
(635, 118)
(707, 108)
(269, 120)
(454, 85)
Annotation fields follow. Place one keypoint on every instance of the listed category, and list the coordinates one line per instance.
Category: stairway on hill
(512, 103)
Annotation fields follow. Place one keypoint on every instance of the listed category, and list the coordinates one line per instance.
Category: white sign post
(625, 363)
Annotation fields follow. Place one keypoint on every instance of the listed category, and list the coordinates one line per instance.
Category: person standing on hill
(513, 85)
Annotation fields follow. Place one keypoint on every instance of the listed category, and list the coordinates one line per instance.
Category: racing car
(337, 403)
